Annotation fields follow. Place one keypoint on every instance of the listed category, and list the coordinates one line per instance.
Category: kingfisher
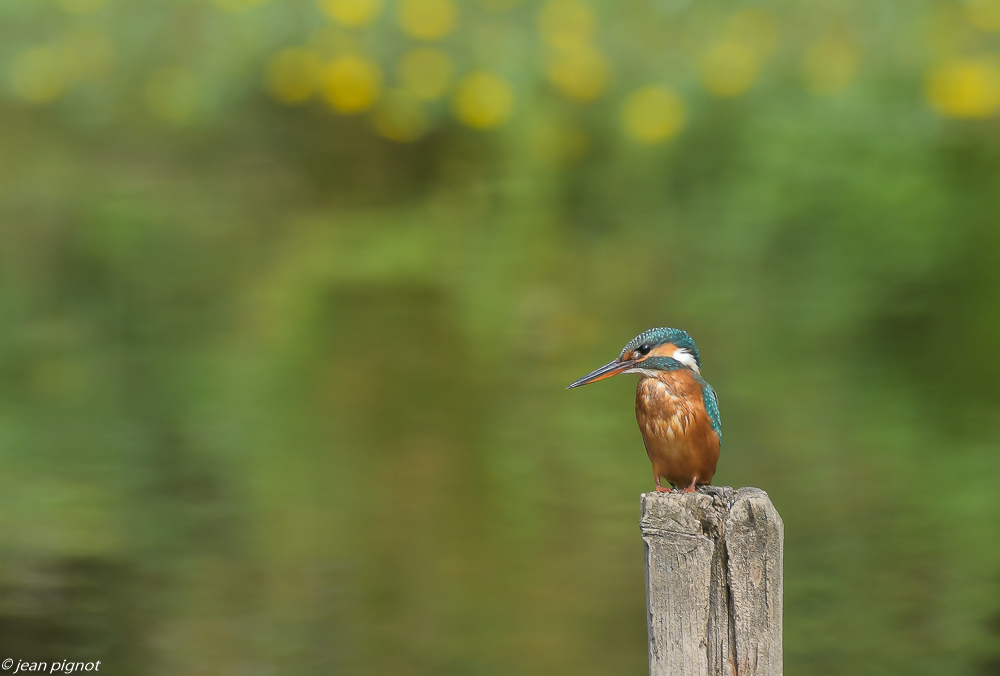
(677, 411)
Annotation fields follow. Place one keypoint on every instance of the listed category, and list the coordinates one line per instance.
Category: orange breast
(676, 429)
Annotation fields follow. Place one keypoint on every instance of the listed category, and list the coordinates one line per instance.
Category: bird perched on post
(677, 411)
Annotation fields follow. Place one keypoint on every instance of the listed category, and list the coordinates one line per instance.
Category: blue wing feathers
(712, 407)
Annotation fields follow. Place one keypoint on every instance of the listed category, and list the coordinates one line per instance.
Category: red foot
(659, 488)
(690, 489)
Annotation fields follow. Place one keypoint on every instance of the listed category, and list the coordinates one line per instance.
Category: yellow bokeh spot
(983, 14)
(729, 68)
(483, 100)
(351, 84)
(427, 19)
(172, 93)
(82, 6)
(565, 24)
(580, 73)
(830, 65)
(37, 75)
(292, 75)
(352, 12)
(426, 72)
(87, 54)
(653, 114)
(400, 117)
(965, 88)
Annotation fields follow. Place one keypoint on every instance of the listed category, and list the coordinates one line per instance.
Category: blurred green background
(290, 292)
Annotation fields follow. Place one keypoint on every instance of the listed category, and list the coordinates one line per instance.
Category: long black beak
(606, 371)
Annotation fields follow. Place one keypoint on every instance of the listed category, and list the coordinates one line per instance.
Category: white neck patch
(686, 358)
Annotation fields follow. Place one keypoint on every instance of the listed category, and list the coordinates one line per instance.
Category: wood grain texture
(713, 582)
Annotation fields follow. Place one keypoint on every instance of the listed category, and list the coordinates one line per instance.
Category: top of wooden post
(714, 578)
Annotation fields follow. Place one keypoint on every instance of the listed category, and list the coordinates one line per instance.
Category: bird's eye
(644, 349)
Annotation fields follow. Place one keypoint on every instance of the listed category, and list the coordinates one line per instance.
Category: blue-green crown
(654, 337)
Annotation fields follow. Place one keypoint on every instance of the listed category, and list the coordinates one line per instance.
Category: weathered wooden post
(713, 582)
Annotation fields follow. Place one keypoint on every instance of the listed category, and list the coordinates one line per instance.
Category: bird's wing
(712, 407)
